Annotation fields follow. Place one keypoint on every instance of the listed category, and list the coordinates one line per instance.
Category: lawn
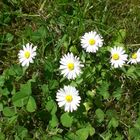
(47, 54)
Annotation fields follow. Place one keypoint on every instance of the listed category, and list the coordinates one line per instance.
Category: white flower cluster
(70, 66)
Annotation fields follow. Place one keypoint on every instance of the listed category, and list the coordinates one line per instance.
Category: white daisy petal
(118, 57)
(91, 41)
(135, 58)
(69, 98)
(70, 66)
(27, 55)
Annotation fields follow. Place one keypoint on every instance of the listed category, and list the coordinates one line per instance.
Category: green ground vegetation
(110, 106)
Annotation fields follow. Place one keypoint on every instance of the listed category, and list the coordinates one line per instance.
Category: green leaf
(71, 136)
(45, 89)
(57, 137)
(74, 50)
(26, 88)
(133, 72)
(54, 121)
(103, 89)
(2, 80)
(111, 113)
(48, 66)
(22, 132)
(134, 133)
(51, 107)
(66, 120)
(2, 136)
(117, 93)
(53, 84)
(9, 111)
(91, 130)
(113, 123)
(16, 71)
(82, 134)
(137, 123)
(9, 37)
(88, 105)
(4, 91)
(120, 36)
(106, 135)
(100, 115)
(119, 136)
(21, 98)
(41, 33)
(31, 105)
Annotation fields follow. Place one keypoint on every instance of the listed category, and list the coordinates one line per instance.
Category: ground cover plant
(69, 69)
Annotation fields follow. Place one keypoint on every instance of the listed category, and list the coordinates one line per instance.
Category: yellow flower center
(134, 55)
(70, 66)
(91, 41)
(27, 54)
(69, 98)
(115, 56)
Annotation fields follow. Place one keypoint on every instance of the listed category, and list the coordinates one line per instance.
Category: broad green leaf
(9, 111)
(91, 130)
(31, 105)
(51, 107)
(82, 134)
(48, 66)
(57, 137)
(39, 34)
(103, 90)
(100, 115)
(26, 88)
(134, 133)
(45, 89)
(117, 93)
(2, 136)
(79, 81)
(12, 120)
(22, 132)
(88, 105)
(66, 120)
(42, 30)
(120, 36)
(54, 121)
(53, 84)
(113, 123)
(21, 98)
(119, 136)
(74, 50)
(111, 113)
(4, 91)
(137, 123)
(71, 136)
(9, 37)
(91, 94)
(106, 135)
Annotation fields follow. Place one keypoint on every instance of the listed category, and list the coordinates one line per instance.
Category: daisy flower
(118, 57)
(70, 66)
(69, 98)
(27, 55)
(135, 58)
(91, 41)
